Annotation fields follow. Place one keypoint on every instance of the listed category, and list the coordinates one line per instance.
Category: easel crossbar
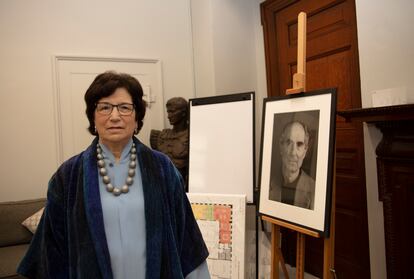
(291, 226)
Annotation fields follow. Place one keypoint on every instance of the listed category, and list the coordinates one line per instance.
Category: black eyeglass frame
(117, 107)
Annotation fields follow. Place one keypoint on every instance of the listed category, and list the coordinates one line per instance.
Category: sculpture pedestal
(395, 164)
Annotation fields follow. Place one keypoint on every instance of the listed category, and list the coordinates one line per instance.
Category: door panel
(332, 61)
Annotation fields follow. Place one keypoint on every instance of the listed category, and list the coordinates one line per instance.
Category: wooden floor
(292, 273)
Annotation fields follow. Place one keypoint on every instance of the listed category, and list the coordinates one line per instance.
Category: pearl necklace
(104, 172)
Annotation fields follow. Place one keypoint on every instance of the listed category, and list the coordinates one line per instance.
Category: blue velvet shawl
(70, 241)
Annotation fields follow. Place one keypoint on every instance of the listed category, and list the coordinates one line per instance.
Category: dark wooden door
(332, 61)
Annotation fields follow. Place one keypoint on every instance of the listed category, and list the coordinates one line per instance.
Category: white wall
(229, 51)
(386, 53)
(224, 46)
(234, 46)
(32, 32)
(204, 78)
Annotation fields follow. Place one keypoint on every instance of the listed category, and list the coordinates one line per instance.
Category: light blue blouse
(124, 221)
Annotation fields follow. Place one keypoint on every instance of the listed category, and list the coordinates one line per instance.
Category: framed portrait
(297, 158)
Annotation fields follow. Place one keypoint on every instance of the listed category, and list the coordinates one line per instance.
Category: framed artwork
(297, 157)
(221, 219)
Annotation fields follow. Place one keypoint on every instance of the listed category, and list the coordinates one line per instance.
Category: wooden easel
(299, 86)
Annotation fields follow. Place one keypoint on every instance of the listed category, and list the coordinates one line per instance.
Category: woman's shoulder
(72, 161)
(155, 154)
(157, 161)
(163, 160)
(76, 160)
(68, 168)
(161, 156)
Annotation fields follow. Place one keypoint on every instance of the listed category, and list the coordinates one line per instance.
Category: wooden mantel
(379, 114)
(395, 167)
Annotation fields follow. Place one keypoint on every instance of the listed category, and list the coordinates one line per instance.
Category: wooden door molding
(268, 10)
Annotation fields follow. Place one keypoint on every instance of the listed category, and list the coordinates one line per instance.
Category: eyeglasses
(107, 108)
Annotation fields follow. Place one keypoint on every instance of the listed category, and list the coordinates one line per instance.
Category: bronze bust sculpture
(174, 142)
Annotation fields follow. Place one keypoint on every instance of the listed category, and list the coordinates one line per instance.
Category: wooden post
(277, 256)
(300, 255)
(299, 78)
(274, 271)
(329, 243)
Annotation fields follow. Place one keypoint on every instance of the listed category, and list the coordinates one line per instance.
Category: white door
(73, 77)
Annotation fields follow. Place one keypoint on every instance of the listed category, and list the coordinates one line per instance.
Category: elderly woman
(118, 209)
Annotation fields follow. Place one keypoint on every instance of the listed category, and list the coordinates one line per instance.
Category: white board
(221, 149)
(221, 219)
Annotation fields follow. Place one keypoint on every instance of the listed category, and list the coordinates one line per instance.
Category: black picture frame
(297, 158)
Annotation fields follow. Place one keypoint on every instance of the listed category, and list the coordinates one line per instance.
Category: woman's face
(114, 128)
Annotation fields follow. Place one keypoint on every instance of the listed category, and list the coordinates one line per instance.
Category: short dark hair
(105, 85)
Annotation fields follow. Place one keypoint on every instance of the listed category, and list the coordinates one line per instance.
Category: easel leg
(282, 263)
(277, 254)
(300, 255)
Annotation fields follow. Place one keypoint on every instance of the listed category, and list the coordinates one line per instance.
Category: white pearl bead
(129, 181)
(106, 179)
(131, 172)
(116, 191)
(125, 189)
(109, 187)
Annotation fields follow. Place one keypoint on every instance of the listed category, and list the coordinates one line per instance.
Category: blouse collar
(124, 155)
